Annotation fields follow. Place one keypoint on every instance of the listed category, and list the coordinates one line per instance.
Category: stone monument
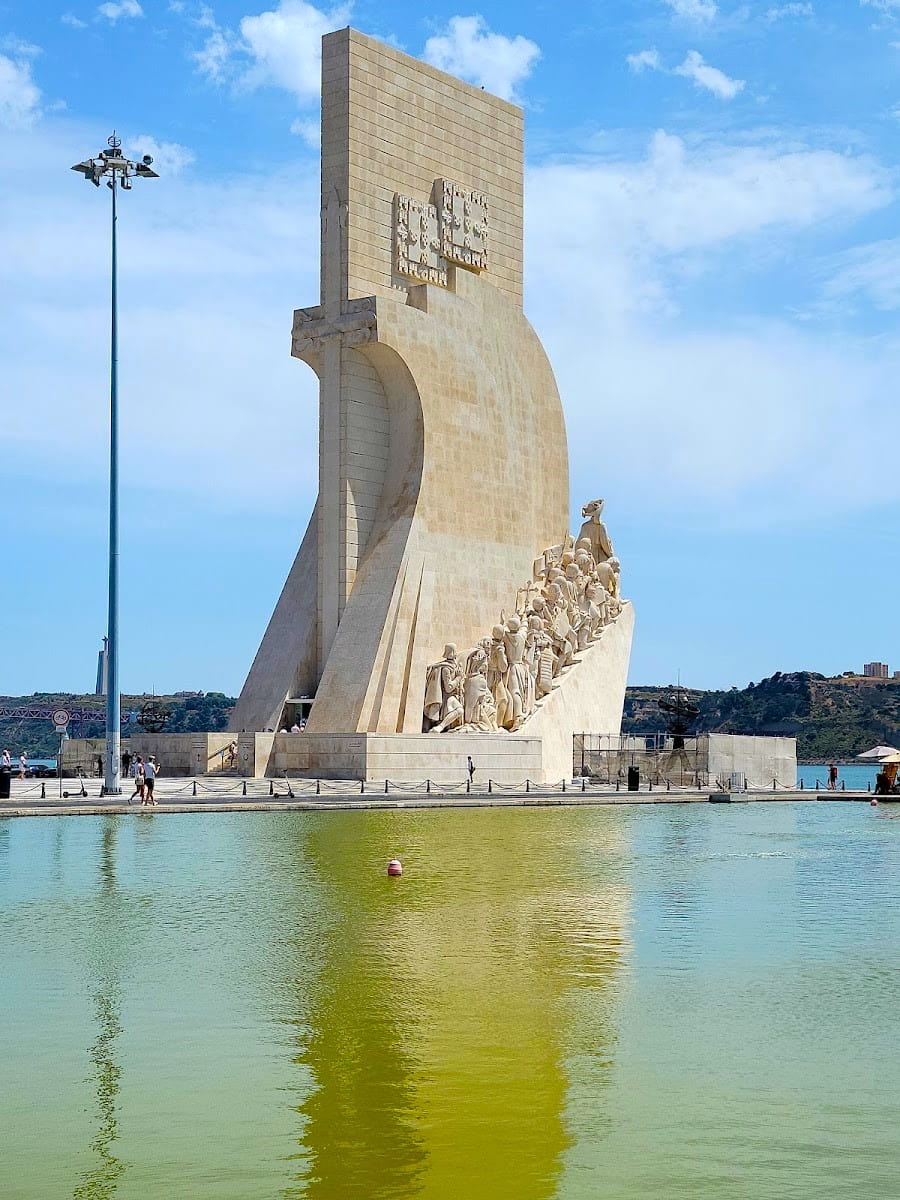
(443, 500)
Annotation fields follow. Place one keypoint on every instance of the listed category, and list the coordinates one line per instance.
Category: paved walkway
(206, 794)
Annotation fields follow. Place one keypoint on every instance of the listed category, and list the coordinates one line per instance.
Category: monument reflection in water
(435, 1031)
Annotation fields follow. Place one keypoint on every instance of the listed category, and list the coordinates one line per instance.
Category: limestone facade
(443, 465)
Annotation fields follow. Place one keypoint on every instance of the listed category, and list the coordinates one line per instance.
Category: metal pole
(113, 727)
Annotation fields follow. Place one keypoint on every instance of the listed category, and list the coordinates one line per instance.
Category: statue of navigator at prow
(572, 596)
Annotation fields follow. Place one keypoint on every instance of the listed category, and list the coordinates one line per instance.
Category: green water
(680, 1001)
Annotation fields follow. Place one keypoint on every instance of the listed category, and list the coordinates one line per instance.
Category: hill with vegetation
(194, 712)
(830, 718)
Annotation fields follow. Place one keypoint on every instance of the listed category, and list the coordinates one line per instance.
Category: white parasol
(879, 752)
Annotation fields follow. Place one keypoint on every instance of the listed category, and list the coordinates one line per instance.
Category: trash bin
(5, 777)
(634, 779)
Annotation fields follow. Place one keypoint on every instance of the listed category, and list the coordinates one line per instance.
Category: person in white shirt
(151, 770)
(295, 728)
(7, 761)
(23, 764)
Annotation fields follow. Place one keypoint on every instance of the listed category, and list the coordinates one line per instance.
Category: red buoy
(395, 867)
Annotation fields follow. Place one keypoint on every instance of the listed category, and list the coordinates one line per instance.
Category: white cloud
(285, 46)
(680, 200)
(210, 273)
(716, 407)
(72, 21)
(19, 95)
(115, 10)
(277, 48)
(467, 48)
(214, 58)
(644, 60)
(871, 272)
(309, 130)
(711, 79)
(784, 12)
(168, 157)
(702, 11)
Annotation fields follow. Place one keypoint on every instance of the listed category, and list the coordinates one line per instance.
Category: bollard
(582, 783)
(668, 785)
(818, 785)
(868, 785)
(468, 785)
(843, 785)
(564, 785)
(318, 787)
(43, 791)
(801, 785)
(195, 787)
(362, 787)
(527, 785)
(651, 785)
(618, 784)
(490, 786)
(244, 788)
(427, 787)
(271, 788)
(385, 787)
(774, 785)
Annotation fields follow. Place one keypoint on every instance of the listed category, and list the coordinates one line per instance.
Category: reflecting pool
(623, 1003)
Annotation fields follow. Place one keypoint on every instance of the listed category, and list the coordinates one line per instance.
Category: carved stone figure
(558, 614)
(498, 669)
(519, 683)
(480, 710)
(443, 687)
(594, 531)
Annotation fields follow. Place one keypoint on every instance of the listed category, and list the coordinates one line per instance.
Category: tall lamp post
(119, 171)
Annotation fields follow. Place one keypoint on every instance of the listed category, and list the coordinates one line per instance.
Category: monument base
(402, 758)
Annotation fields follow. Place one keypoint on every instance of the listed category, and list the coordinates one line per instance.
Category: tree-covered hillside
(830, 718)
(36, 736)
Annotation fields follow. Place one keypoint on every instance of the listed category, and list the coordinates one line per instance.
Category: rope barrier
(217, 787)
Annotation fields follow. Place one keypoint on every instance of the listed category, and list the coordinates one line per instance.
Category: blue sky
(713, 263)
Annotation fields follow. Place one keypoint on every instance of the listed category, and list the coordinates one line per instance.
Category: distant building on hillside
(876, 670)
(102, 669)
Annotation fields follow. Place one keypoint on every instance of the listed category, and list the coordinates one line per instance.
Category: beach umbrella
(890, 760)
(879, 752)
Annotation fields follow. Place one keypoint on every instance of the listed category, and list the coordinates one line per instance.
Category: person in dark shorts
(151, 770)
(470, 767)
(832, 778)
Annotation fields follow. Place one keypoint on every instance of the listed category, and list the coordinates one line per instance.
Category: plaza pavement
(34, 797)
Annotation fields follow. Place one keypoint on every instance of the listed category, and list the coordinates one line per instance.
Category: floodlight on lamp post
(118, 171)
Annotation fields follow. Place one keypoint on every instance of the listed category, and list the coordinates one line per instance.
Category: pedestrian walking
(23, 764)
(7, 761)
(470, 767)
(151, 770)
(126, 763)
(138, 780)
(832, 778)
